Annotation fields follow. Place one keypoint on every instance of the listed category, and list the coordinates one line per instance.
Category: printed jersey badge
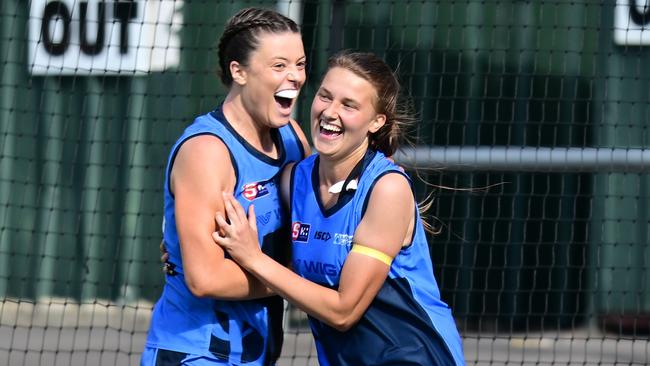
(300, 231)
(255, 190)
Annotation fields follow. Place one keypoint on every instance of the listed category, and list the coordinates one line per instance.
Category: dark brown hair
(240, 37)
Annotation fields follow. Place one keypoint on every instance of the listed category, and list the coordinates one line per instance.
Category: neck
(332, 170)
(255, 133)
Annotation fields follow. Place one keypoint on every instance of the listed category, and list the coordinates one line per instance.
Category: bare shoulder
(203, 145)
(205, 157)
(392, 185)
(391, 196)
(203, 150)
(388, 216)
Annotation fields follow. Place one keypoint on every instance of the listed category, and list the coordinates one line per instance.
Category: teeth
(329, 127)
(287, 93)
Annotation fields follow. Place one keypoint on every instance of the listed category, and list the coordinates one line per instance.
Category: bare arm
(198, 177)
(385, 226)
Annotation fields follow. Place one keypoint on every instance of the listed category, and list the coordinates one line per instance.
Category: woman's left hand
(239, 236)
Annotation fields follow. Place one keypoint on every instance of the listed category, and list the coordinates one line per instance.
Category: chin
(279, 121)
(323, 149)
(278, 117)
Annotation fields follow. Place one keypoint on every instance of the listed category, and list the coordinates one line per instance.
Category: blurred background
(532, 137)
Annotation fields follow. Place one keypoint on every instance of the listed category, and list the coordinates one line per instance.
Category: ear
(377, 123)
(238, 73)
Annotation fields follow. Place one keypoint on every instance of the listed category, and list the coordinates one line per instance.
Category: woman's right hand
(238, 235)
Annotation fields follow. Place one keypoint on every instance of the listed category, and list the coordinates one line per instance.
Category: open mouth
(329, 129)
(285, 97)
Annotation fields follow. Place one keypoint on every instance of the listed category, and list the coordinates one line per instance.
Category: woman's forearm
(325, 304)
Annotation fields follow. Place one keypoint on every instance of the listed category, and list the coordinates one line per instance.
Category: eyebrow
(351, 101)
(345, 100)
(286, 59)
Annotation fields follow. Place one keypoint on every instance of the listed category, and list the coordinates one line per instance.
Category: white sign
(73, 37)
(632, 22)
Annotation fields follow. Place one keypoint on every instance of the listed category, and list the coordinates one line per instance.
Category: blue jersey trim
(343, 198)
(372, 186)
(301, 147)
(275, 135)
(178, 148)
(241, 331)
(377, 339)
(292, 175)
(407, 322)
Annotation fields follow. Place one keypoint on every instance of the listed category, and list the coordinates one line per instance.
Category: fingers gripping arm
(197, 186)
(383, 230)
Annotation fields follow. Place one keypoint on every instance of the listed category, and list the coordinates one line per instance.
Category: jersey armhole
(298, 141)
(178, 147)
(415, 213)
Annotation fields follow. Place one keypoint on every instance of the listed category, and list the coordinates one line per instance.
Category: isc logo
(322, 235)
(300, 232)
(255, 190)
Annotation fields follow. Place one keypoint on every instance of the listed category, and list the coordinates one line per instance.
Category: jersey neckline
(345, 196)
(218, 115)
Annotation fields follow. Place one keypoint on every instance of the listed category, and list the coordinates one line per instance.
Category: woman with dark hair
(362, 270)
(212, 312)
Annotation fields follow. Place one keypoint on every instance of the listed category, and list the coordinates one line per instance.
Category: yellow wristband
(372, 253)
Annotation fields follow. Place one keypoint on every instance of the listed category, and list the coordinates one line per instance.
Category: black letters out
(123, 11)
(55, 10)
(86, 47)
(640, 18)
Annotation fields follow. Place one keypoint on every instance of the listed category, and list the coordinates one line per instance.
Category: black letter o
(53, 10)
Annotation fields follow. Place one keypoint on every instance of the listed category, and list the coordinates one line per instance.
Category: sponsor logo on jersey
(300, 231)
(269, 216)
(255, 190)
(316, 267)
(342, 239)
(322, 235)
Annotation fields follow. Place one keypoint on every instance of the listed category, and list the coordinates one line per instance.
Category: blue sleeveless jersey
(406, 323)
(233, 332)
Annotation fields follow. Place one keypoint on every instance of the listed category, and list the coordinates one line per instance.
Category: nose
(296, 76)
(331, 111)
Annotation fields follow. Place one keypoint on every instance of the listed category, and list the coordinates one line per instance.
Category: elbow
(343, 323)
(342, 326)
(198, 287)
(202, 288)
(343, 315)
